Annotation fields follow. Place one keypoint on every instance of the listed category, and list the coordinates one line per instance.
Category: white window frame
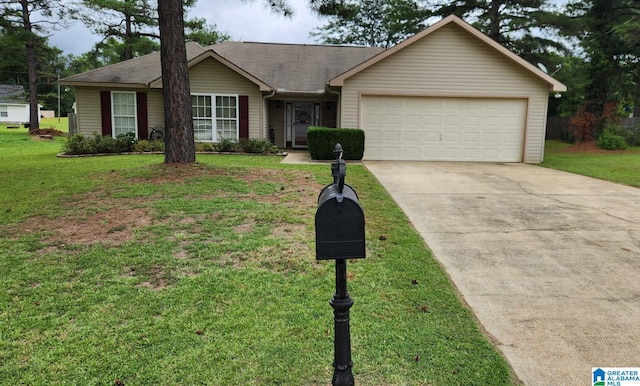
(214, 118)
(114, 116)
(4, 111)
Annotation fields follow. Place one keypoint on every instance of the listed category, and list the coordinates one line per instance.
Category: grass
(122, 270)
(614, 165)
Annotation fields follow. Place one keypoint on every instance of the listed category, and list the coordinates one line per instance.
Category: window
(215, 117)
(124, 112)
(4, 111)
(202, 117)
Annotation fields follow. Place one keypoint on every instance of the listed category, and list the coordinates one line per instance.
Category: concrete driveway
(548, 261)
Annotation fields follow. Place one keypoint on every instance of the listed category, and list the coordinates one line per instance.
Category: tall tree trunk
(179, 142)
(30, 48)
(128, 39)
(494, 21)
(636, 105)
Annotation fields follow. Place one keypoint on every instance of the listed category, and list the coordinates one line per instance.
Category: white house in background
(14, 107)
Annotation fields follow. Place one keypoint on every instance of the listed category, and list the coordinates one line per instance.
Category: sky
(243, 20)
(249, 21)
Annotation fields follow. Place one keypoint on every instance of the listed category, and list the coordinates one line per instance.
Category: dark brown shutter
(105, 112)
(244, 116)
(142, 116)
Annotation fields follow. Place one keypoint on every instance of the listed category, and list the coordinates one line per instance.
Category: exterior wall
(16, 113)
(450, 62)
(210, 76)
(206, 77)
(88, 111)
(88, 108)
(276, 112)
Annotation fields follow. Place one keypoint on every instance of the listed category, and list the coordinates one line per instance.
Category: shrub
(125, 143)
(204, 146)
(148, 146)
(322, 141)
(226, 145)
(79, 144)
(254, 145)
(612, 138)
(105, 144)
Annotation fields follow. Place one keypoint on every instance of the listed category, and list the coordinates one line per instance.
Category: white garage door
(443, 129)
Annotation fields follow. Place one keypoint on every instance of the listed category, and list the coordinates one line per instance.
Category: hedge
(322, 141)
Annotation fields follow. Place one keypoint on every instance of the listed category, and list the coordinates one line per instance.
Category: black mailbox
(339, 221)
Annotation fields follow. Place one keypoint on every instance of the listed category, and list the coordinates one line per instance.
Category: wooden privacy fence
(557, 127)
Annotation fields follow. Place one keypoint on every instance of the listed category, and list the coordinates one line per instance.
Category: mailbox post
(339, 226)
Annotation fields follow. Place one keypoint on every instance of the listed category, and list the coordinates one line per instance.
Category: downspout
(339, 107)
(265, 129)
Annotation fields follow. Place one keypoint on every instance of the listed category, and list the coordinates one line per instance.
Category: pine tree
(373, 23)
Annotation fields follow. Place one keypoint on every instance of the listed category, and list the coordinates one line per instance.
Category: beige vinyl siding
(212, 77)
(451, 62)
(88, 111)
(89, 114)
(155, 109)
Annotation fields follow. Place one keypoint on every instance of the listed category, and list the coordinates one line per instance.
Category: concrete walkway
(548, 261)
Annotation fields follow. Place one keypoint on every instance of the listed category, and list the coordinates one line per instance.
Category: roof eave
(78, 83)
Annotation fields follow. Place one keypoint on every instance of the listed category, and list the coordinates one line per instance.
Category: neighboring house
(447, 93)
(14, 107)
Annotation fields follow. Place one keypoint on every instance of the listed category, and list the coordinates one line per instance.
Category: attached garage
(449, 93)
(443, 129)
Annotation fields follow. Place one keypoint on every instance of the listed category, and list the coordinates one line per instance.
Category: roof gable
(208, 53)
(478, 36)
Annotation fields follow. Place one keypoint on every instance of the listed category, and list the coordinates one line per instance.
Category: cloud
(242, 20)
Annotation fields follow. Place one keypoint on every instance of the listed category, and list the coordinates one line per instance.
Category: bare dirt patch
(114, 226)
(100, 217)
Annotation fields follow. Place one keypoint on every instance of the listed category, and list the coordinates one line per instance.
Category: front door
(300, 115)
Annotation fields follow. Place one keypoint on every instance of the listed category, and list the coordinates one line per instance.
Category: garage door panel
(373, 120)
(430, 153)
(471, 137)
(430, 128)
(451, 137)
(392, 152)
(413, 120)
(392, 136)
(412, 136)
(412, 153)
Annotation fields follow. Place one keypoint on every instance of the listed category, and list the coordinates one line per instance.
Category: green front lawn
(122, 270)
(612, 165)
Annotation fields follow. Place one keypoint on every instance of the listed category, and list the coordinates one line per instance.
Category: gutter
(264, 132)
(284, 91)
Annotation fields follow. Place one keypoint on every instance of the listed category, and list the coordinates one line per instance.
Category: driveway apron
(548, 261)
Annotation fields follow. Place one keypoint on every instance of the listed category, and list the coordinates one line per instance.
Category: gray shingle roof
(285, 67)
(11, 93)
(142, 70)
(294, 67)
